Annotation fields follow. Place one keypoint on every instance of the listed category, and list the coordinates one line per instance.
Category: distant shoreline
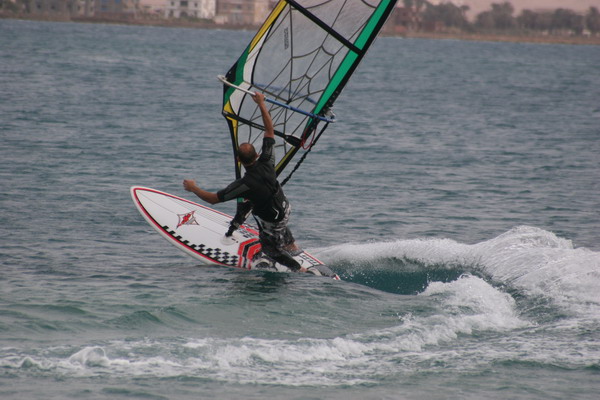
(482, 37)
(479, 37)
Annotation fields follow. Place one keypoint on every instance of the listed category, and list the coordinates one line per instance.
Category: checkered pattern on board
(216, 254)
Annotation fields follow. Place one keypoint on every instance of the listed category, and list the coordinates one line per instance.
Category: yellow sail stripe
(228, 109)
(234, 132)
(283, 159)
(274, 14)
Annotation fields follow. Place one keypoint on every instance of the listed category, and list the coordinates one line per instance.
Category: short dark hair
(247, 153)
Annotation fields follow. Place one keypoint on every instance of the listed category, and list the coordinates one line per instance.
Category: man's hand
(189, 185)
(258, 97)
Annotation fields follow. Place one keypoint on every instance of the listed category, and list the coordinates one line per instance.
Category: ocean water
(458, 197)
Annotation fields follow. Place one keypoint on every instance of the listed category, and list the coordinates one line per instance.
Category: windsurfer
(262, 194)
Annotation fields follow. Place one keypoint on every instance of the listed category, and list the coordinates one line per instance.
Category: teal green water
(457, 196)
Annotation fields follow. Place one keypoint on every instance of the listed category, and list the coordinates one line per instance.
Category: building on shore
(120, 9)
(402, 20)
(60, 8)
(116, 9)
(153, 8)
(243, 12)
(202, 9)
(232, 13)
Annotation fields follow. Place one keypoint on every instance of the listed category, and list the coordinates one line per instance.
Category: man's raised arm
(259, 99)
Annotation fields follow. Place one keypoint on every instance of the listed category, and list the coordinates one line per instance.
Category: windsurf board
(199, 231)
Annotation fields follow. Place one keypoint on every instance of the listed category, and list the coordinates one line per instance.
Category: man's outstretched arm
(209, 197)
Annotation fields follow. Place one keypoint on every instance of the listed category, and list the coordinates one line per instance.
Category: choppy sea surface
(458, 197)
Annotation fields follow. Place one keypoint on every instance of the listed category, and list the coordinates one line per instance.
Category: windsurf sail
(300, 59)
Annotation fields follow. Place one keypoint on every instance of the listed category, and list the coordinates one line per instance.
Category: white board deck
(199, 231)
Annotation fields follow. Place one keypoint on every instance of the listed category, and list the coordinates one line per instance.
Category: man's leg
(277, 242)
(275, 251)
(285, 259)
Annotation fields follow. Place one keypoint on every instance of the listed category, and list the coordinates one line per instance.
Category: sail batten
(324, 26)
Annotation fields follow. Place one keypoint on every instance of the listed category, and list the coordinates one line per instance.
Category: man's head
(247, 154)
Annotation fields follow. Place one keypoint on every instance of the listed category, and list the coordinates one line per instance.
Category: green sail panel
(303, 55)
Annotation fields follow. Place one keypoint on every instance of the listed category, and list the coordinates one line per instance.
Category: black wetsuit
(259, 186)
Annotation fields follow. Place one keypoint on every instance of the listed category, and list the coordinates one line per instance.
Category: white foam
(90, 357)
(430, 251)
(542, 264)
(466, 306)
(473, 304)
(526, 258)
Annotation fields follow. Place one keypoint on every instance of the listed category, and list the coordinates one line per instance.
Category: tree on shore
(564, 20)
(11, 6)
(417, 5)
(561, 21)
(592, 20)
(500, 17)
(534, 21)
(451, 15)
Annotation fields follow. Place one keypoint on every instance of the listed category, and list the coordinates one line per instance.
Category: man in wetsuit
(261, 191)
